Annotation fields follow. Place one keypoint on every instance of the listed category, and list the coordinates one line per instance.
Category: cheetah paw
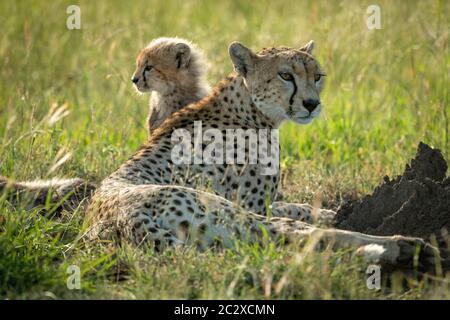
(410, 247)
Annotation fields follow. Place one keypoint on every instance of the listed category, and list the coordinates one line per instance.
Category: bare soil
(416, 203)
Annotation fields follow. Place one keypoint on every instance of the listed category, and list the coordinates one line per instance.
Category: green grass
(386, 90)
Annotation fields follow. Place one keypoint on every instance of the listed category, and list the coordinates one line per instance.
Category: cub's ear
(182, 55)
(242, 57)
(308, 48)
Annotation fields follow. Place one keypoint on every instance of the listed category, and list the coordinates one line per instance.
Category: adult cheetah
(151, 199)
(174, 71)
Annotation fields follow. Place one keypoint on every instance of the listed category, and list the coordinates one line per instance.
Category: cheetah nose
(135, 80)
(310, 104)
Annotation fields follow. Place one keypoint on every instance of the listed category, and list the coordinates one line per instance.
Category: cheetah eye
(147, 68)
(286, 76)
(318, 76)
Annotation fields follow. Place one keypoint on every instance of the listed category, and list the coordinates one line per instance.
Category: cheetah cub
(173, 70)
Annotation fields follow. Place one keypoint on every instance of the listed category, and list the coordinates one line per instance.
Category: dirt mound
(416, 203)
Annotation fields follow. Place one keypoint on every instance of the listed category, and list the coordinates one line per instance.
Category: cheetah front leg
(397, 251)
(302, 212)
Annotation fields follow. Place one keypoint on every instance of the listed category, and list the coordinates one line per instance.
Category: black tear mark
(291, 100)
(143, 77)
(290, 111)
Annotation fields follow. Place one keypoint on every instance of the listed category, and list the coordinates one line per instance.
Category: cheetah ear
(308, 48)
(242, 57)
(182, 55)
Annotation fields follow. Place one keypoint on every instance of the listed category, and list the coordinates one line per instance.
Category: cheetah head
(167, 63)
(284, 83)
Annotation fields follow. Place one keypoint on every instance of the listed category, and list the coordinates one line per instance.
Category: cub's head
(167, 63)
(284, 83)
